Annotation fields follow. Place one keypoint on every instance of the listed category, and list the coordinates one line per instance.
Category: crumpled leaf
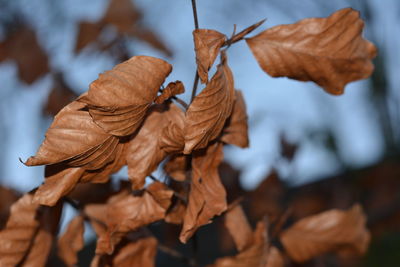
(259, 254)
(125, 212)
(333, 230)
(207, 196)
(137, 249)
(71, 241)
(172, 139)
(60, 179)
(236, 128)
(23, 47)
(209, 110)
(144, 152)
(88, 33)
(119, 98)
(7, 198)
(177, 166)
(27, 237)
(238, 227)
(73, 137)
(328, 51)
(207, 44)
(172, 89)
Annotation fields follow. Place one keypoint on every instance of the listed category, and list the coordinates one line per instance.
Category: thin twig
(181, 102)
(176, 254)
(195, 83)
(196, 21)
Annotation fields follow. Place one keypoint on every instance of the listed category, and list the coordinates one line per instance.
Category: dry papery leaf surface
(328, 51)
(128, 118)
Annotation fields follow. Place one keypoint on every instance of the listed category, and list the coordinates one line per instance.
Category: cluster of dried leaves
(127, 117)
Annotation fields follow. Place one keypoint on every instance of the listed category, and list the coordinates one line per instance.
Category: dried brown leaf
(330, 231)
(328, 51)
(73, 137)
(238, 227)
(126, 212)
(27, 238)
(7, 198)
(88, 33)
(71, 241)
(176, 167)
(207, 196)
(119, 98)
(60, 96)
(151, 38)
(207, 114)
(239, 36)
(60, 179)
(172, 89)
(236, 128)
(144, 151)
(207, 44)
(122, 14)
(259, 254)
(23, 47)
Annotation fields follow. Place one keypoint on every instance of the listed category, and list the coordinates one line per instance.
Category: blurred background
(322, 151)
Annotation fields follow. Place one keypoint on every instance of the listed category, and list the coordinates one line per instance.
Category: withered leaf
(88, 33)
(129, 212)
(209, 110)
(27, 237)
(71, 241)
(177, 166)
(23, 47)
(207, 44)
(60, 96)
(172, 89)
(151, 38)
(122, 14)
(328, 51)
(144, 153)
(238, 227)
(60, 179)
(75, 138)
(239, 36)
(119, 98)
(259, 254)
(236, 128)
(207, 196)
(7, 198)
(137, 249)
(329, 231)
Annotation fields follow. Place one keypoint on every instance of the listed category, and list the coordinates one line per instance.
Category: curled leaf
(71, 241)
(259, 254)
(27, 237)
(172, 89)
(207, 44)
(60, 179)
(144, 153)
(73, 137)
(239, 36)
(328, 51)
(119, 98)
(236, 128)
(209, 110)
(329, 231)
(207, 196)
(176, 167)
